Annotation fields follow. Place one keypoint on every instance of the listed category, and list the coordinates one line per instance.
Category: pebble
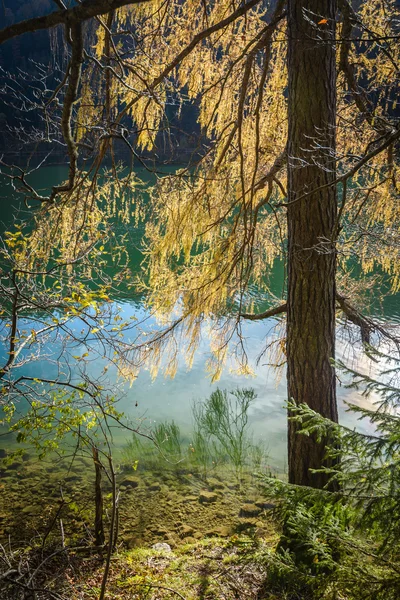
(162, 547)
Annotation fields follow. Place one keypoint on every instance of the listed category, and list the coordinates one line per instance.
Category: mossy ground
(207, 569)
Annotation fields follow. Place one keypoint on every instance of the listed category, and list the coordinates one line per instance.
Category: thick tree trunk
(311, 223)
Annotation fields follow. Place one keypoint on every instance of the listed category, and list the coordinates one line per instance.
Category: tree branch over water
(80, 13)
(271, 312)
(366, 325)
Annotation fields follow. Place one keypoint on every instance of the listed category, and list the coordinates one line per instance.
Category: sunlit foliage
(216, 227)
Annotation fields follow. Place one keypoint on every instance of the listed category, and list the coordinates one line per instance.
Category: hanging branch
(189, 48)
(366, 325)
(71, 95)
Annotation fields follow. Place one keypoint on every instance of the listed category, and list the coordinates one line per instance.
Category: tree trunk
(311, 223)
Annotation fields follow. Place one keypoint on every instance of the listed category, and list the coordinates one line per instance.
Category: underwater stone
(14, 466)
(32, 510)
(233, 486)
(207, 497)
(219, 532)
(171, 539)
(159, 531)
(131, 482)
(246, 524)
(215, 484)
(264, 505)
(71, 478)
(154, 487)
(249, 510)
(186, 530)
(131, 541)
(190, 540)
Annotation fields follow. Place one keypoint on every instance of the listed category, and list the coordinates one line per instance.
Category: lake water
(172, 399)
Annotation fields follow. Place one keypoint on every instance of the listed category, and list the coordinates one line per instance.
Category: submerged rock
(264, 505)
(190, 540)
(72, 478)
(131, 541)
(219, 532)
(186, 530)
(131, 482)
(215, 484)
(247, 524)
(207, 497)
(14, 466)
(249, 510)
(159, 531)
(154, 487)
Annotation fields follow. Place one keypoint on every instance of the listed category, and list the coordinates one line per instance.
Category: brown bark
(98, 501)
(311, 223)
(271, 312)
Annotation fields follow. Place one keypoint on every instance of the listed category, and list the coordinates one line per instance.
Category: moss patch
(211, 569)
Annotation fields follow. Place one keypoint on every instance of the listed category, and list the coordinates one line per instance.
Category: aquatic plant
(167, 439)
(199, 452)
(223, 421)
(132, 452)
(220, 437)
(164, 443)
(257, 455)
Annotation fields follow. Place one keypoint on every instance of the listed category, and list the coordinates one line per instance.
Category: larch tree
(296, 104)
(311, 223)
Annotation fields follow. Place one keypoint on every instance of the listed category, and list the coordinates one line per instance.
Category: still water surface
(171, 399)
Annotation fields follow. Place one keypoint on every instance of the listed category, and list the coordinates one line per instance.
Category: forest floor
(211, 568)
(206, 525)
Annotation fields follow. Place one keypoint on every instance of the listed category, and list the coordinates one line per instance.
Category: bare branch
(389, 140)
(75, 68)
(271, 312)
(84, 11)
(366, 325)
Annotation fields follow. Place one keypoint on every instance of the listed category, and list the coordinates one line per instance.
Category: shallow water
(166, 399)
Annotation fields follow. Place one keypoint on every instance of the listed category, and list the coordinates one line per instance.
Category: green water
(153, 402)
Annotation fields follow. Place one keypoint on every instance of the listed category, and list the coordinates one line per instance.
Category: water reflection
(154, 402)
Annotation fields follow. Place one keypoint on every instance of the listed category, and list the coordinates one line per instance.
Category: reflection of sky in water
(166, 399)
(150, 402)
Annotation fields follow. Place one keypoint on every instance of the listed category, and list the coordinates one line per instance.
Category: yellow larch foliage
(218, 227)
